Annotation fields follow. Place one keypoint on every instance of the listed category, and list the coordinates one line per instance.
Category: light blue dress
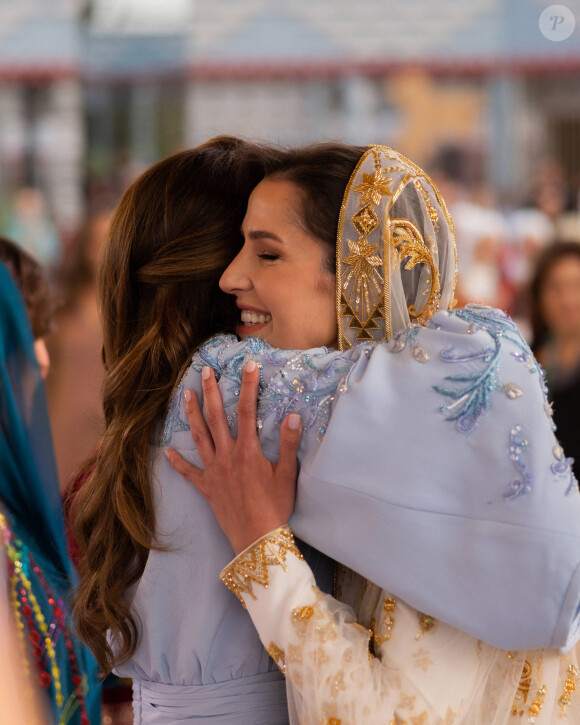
(428, 465)
(199, 658)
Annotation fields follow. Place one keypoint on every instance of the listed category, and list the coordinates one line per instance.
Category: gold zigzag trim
(251, 565)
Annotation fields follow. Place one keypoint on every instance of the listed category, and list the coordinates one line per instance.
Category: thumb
(290, 435)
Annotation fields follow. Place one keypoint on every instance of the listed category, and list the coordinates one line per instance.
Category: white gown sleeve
(391, 664)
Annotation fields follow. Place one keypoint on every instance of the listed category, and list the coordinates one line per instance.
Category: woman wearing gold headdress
(428, 463)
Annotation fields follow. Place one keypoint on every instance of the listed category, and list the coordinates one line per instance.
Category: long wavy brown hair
(172, 235)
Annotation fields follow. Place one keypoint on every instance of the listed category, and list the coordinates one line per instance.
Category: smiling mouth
(250, 318)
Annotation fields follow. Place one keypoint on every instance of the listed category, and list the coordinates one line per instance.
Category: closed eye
(269, 257)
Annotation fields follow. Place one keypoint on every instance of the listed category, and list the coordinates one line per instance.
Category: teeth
(254, 318)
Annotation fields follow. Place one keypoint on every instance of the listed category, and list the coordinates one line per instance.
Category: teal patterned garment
(429, 465)
(40, 574)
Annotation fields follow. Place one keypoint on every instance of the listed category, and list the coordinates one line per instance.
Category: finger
(247, 404)
(214, 412)
(199, 431)
(187, 470)
(290, 435)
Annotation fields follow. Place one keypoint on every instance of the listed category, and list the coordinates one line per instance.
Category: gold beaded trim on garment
(363, 273)
(251, 565)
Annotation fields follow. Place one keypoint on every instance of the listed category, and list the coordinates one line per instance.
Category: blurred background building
(481, 93)
(91, 91)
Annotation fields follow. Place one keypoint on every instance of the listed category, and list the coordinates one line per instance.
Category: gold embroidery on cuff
(251, 565)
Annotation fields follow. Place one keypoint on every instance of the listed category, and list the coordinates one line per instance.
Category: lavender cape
(429, 465)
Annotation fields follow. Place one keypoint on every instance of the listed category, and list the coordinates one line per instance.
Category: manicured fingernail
(294, 421)
(250, 366)
(187, 396)
(205, 371)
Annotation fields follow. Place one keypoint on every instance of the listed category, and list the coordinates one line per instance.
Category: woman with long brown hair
(429, 466)
(146, 548)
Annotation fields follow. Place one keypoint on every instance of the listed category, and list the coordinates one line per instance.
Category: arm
(422, 671)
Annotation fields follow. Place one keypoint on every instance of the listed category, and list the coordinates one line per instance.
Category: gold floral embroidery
(521, 695)
(569, 688)
(388, 623)
(364, 265)
(325, 632)
(419, 719)
(407, 702)
(449, 718)
(251, 565)
(294, 654)
(277, 654)
(366, 269)
(373, 186)
(407, 239)
(422, 659)
(338, 685)
(426, 624)
(319, 656)
(434, 216)
(536, 706)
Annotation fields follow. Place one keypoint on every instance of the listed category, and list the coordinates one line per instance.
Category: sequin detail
(174, 423)
(471, 391)
(563, 467)
(251, 566)
(303, 383)
(523, 483)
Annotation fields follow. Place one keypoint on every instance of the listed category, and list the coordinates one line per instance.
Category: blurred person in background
(34, 288)
(28, 221)
(36, 573)
(480, 233)
(555, 322)
(74, 386)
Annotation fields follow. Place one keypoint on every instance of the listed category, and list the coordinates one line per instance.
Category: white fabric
(421, 675)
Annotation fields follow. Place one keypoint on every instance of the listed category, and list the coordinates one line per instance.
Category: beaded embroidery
(472, 390)
(251, 565)
(302, 382)
(42, 634)
(569, 687)
(563, 467)
(523, 483)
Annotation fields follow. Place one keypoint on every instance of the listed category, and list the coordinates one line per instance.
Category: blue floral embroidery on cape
(563, 467)
(173, 421)
(299, 382)
(471, 391)
(523, 483)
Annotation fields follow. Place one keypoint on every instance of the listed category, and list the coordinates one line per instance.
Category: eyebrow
(257, 234)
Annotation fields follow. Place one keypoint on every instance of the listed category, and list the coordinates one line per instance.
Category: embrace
(378, 481)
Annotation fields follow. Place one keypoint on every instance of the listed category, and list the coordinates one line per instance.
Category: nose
(235, 278)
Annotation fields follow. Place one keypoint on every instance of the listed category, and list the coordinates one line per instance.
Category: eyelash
(267, 257)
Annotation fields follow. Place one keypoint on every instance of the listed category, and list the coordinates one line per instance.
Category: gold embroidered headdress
(395, 261)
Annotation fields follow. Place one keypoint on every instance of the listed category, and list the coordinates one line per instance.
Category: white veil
(396, 260)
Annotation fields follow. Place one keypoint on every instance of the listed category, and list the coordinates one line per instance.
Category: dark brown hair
(172, 235)
(321, 171)
(545, 263)
(32, 281)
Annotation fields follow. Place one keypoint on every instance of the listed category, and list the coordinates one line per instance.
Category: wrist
(243, 540)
